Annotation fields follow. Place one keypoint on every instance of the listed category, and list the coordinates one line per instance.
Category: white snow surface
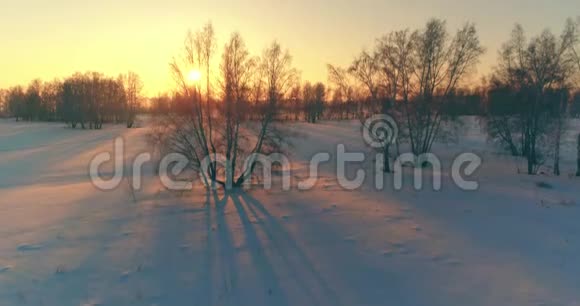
(65, 242)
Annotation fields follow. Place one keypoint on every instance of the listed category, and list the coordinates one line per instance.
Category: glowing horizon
(56, 39)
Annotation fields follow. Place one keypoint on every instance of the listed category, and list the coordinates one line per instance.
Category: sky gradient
(42, 39)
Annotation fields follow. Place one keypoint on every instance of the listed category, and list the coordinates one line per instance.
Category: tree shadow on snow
(280, 266)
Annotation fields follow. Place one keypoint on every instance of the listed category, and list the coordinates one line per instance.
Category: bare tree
(365, 69)
(502, 122)
(370, 70)
(295, 101)
(339, 77)
(188, 134)
(308, 100)
(440, 63)
(317, 109)
(205, 46)
(395, 56)
(257, 88)
(314, 97)
(236, 71)
(395, 52)
(279, 78)
(133, 88)
(51, 100)
(344, 91)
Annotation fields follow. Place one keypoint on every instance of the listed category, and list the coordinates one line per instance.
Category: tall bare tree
(313, 97)
(440, 63)
(344, 92)
(340, 79)
(188, 134)
(236, 69)
(395, 55)
(395, 51)
(365, 69)
(133, 89)
(279, 77)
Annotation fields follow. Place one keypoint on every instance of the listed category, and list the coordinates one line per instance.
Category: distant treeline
(314, 102)
(85, 100)
(91, 99)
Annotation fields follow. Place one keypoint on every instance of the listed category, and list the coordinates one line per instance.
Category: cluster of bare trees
(87, 100)
(313, 100)
(231, 114)
(418, 78)
(37, 102)
(530, 95)
(411, 76)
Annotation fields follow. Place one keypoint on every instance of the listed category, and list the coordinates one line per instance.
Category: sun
(194, 76)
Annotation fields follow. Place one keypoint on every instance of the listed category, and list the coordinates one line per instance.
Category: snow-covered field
(64, 242)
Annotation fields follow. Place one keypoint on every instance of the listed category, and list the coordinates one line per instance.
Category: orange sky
(42, 39)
